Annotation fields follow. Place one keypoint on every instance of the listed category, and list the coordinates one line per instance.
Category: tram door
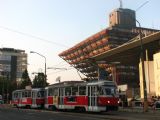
(19, 98)
(92, 95)
(34, 95)
(61, 96)
(55, 96)
(46, 96)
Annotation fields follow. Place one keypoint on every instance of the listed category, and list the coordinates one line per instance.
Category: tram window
(74, 90)
(15, 95)
(113, 91)
(55, 93)
(19, 94)
(100, 91)
(108, 91)
(23, 94)
(33, 94)
(40, 94)
(45, 93)
(26, 94)
(93, 91)
(82, 90)
(67, 91)
(50, 92)
(29, 93)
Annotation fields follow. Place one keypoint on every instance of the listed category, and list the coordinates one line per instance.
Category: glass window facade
(13, 61)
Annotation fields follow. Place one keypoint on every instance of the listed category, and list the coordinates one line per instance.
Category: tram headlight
(108, 101)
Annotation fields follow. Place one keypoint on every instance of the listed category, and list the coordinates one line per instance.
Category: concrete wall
(149, 77)
(156, 58)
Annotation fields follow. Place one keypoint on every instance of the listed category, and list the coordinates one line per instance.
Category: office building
(13, 62)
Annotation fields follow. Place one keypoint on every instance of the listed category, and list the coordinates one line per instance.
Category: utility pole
(145, 108)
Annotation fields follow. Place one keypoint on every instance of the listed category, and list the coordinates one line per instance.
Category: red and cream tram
(83, 96)
(32, 98)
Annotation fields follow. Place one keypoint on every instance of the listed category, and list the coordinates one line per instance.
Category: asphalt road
(7, 113)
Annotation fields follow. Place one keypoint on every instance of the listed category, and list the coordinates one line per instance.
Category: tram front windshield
(107, 90)
(40, 94)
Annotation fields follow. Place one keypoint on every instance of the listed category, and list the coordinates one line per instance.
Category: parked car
(157, 104)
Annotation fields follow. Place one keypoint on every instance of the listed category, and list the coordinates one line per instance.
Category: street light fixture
(145, 109)
(55, 68)
(45, 77)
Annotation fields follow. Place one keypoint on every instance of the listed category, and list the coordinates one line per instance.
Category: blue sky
(61, 24)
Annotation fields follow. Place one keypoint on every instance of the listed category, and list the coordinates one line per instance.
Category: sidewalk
(138, 110)
(5, 105)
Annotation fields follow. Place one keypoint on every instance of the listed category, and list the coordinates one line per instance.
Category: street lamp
(45, 77)
(143, 70)
(55, 68)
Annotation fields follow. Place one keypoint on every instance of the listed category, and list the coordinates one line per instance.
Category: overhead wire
(59, 71)
(142, 5)
(32, 36)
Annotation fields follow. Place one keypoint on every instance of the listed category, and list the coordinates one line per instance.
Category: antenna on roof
(121, 4)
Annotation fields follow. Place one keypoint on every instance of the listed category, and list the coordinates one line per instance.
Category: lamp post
(145, 108)
(45, 77)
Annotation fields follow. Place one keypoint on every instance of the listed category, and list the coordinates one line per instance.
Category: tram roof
(67, 83)
(101, 82)
(33, 89)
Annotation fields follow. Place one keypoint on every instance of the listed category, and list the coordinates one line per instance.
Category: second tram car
(82, 96)
(33, 98)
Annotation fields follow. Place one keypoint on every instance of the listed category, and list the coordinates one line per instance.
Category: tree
(1, 85)
(25, 80)
(39, 81)
(6, 86)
